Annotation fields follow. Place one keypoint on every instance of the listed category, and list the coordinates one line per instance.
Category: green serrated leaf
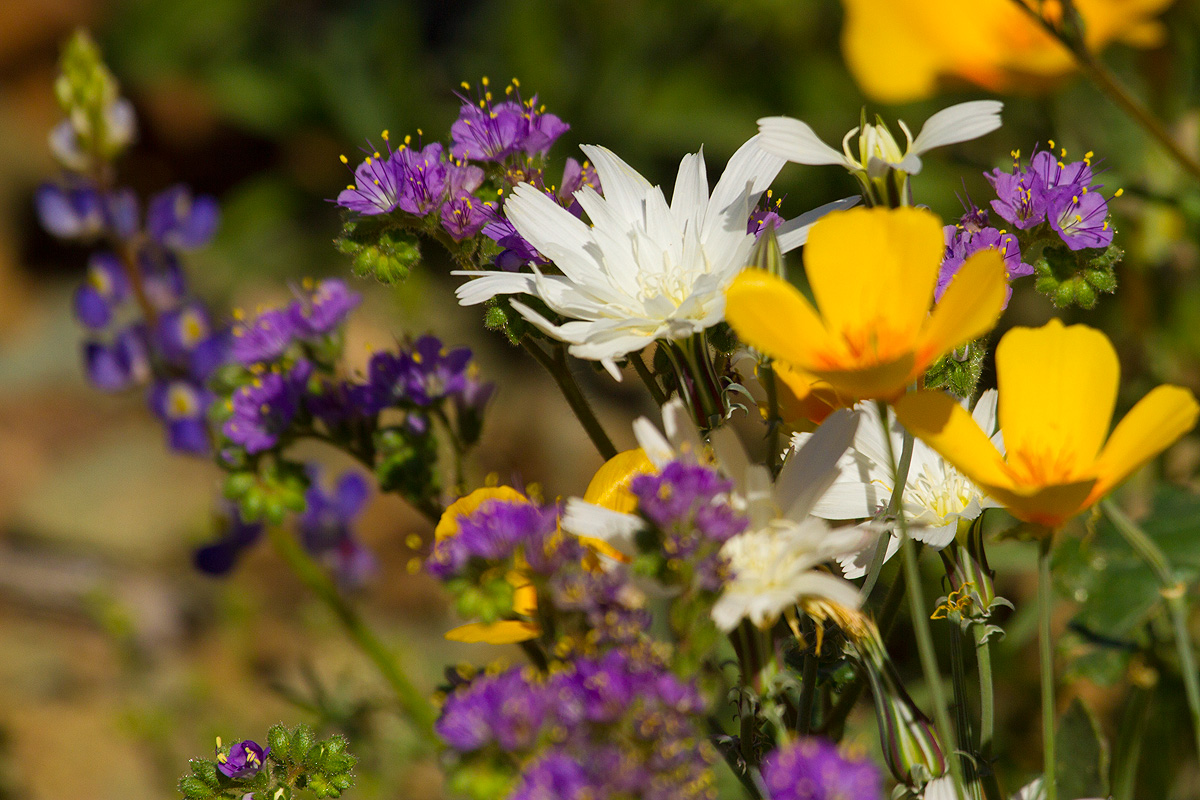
(194, 788)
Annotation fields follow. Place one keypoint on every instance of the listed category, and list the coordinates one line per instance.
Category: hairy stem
(415, 705)
(1046, 659)
(560, 370)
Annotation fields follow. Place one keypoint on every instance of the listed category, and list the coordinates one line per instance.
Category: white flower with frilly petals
(644, 269)
(878, 150)
(936, 495)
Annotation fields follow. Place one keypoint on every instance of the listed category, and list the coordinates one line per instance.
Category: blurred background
(117, 659)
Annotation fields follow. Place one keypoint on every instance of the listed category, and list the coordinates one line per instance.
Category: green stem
(774, 422)
(1107, 83)
(1174, 591)
(1046, 658)
(1129, 743)
(414, 704)
(920, 621)
(987, 694)
(559, 370)
(895, 503)
(808, 685)
(648, 378)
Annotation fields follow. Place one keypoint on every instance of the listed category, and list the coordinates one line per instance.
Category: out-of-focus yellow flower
(505, 631)
(609, 488)
(1058, 388)
(899, 49)
(805, 398)
(873, 273)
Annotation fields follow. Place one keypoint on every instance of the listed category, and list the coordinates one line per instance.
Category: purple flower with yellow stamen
(464, 216)
(183, 407)
(435, 372)
(964, 240)
(264, 408)
(1020, 198)
(542, 130)
(423, 175)
(264, 338)
(1080, 217)
(180, 221)
(377, 184)
(104, 289)
(814, 769)
(486, 133)
(244, 759)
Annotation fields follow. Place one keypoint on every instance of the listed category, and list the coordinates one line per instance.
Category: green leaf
(1082, 755)
(206, 771)
(193, 788)
(302, 739)
(279, 742)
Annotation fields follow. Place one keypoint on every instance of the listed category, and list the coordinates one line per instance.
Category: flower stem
(1046, 658)
(895, 504)
(920, 617)
(558, 368)
(1104, 80)
(1174, 591)
(774, 422)
(648, 378)
(987, 694)
(414, 704)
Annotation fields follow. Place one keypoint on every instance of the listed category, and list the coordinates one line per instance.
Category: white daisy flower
(936, 495)
(878, 150)
(644, 269)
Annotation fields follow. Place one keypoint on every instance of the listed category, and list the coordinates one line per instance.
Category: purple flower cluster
(607, 726)
(143, 326)
(263, 410)
(971, 235)
(318, 311)
(461, 187)
(1058, 192)
(814, 769)
(420, 182)
(497, 532)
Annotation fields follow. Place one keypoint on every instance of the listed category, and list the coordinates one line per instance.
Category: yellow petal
(943, 424)
(524, 594)
(771, 315)
(872, 272)
(1057, 388)
(1051, 506)
(968, 309)
(803, 396)
(885, 53)
(507, 631)
(609, 487)
(465, 506)
(877, 381)
(1151, 426)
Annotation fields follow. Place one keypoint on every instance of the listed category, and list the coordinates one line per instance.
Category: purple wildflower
(121, 213)
(244, 760)
(326, 527)
(554, 776)
(688, 495)
(965, 240)
(1019, 198)
(436, 372)
(264, 408)
(505, 709)
(464, 215)
(182, 406)
(1080, 217)
(323, 308)
(377, 184)
(264, 338)
(486, 133)
(70, 213)
(496, 532)
(178, 221)
(117, 366)
(162, 277)
(219, 557)
(542, 130)
(103, 290)
(813, 769)
(423, 176)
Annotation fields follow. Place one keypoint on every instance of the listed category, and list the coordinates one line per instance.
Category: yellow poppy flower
(1058, 388)
(898, 50)
(505, 631)
(873, 273)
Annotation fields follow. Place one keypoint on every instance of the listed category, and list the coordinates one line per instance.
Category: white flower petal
(612, 527)
(486, 285)
(958, 123)
(624, 187)
(690, 197)
(794, 140)
(809, 472)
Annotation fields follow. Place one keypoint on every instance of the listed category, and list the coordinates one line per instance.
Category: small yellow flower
(1058, 388)
(873, 273)
(898, 50)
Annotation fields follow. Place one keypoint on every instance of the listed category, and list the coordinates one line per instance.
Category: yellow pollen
(377, 154)
(384, 134)
(343, 159)
(485, 81)
(1089, 154)
(408, 139)
(1015, 154)
(350, 186)
(1105, 225)
(516, 83)
(1084, 190)
(420, 132)
(465, 85)
(1119, 192)
(368, 160)
(1064, 152)
(376, 181)
(1051, 143)
(1078, 218)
